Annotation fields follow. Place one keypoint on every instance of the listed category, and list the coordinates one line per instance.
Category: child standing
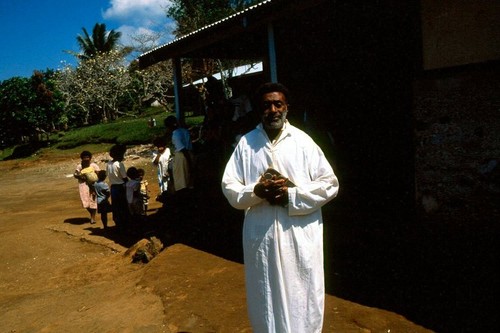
(144, 190)
(87, 195)
(161, 159)
(117, 176)
(134, 200)
(103, 193)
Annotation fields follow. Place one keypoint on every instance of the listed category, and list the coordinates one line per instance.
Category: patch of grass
(123, 131)
(4, 153)
(193, 121)
(75, 151)
(100, 137)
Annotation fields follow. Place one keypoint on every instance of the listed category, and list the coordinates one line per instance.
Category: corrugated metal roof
(197, 43)
(231, 17)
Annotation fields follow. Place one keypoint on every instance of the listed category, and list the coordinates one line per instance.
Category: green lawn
(126, 130)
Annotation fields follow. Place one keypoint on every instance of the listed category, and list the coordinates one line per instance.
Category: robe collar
(285, 131)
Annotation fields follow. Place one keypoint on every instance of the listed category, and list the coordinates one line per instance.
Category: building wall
(459, 32)
(350, 69)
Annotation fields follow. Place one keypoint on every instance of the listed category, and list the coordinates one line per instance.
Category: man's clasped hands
(273, 188)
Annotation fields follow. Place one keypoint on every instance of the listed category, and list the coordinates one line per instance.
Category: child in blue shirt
(103, 193)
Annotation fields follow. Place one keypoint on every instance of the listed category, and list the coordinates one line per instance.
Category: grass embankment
(127, 130)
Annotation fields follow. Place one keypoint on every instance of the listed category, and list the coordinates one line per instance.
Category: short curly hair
(85, 153)
(160, 141)
(101, 175)
(270, 87)
(170, 121)
(118, 151)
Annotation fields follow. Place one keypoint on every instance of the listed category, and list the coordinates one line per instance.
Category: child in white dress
(161, 159)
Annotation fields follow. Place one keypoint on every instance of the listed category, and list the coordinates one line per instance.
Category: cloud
(163, 34)
(140, 13)
(129, 31)
(141, 17)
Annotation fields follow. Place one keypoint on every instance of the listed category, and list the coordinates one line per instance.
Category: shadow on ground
(77, 220)
(436, 274)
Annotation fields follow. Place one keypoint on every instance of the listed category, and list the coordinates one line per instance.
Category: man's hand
(273, 190)
(261, 190)
(280, 197)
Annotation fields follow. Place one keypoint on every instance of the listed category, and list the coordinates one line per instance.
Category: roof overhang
(239, 36)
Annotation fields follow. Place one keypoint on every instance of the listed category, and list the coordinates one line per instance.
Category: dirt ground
(62, 274)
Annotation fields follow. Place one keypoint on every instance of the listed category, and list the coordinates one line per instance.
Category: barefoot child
(87, 194)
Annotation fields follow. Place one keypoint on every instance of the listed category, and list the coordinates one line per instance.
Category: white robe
(162, 167)
(283, 247)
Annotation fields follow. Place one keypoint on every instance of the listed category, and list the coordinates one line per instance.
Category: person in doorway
(85, 184)
(281, 178)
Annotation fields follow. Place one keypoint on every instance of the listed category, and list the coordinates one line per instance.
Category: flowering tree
(155, 82)
(93, 90)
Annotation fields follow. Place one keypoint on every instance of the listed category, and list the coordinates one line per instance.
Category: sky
(34, 34)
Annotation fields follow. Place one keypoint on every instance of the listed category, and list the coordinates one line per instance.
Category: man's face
(274, 109)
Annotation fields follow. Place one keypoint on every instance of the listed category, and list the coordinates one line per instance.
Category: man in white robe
(283, 227)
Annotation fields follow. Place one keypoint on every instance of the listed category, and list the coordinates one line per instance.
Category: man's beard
(274, 122)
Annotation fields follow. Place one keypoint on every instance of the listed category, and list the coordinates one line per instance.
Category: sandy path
(53, 281)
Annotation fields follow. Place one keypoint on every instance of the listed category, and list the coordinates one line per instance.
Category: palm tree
(100, 42)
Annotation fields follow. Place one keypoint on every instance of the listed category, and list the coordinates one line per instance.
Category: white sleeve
(322, 188)
(238, 194)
